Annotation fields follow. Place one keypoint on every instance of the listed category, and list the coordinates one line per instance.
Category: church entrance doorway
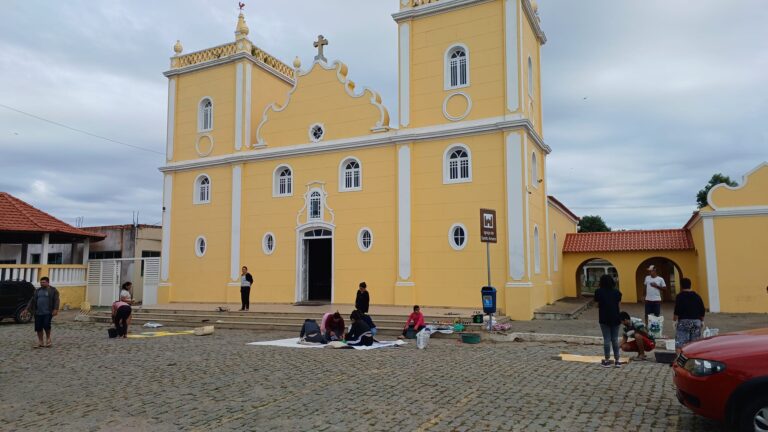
(316, 272)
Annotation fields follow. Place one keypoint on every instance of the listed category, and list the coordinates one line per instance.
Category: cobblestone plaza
(87, 382)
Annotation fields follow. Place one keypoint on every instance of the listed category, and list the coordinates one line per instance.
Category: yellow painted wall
(480, 28)
(265, 90)
(531, 102)
(752, 191)
(560, 225)
(72, 296)
(218, 83)
(697, 234)
(321, 97)
(373, 207)
(193, 278)
(741, 262)
(444, 276)
(626, 264)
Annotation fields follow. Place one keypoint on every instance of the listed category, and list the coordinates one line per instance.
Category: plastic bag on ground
(422, 339)
(655, 326)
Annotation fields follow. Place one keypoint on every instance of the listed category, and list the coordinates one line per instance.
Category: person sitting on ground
(310, 332)
(333, 327)
(359, 333)
(368, 320)
(689, 315)
(642, 341)
(121, 315)
(415, 322)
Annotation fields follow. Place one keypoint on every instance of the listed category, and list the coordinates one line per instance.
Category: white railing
(67, 276)
(60, 275)
(19, 273)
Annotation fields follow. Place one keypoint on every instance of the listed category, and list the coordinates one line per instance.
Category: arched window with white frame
(205, 115)
(456, 67)
(534, 170)
(554, 252)
(457, 164)
(202, 190)
(350, 175)
(282, 182)
(530, 76)
(315, 205)
(536, 251)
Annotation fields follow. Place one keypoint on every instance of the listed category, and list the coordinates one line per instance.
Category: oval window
(457, 236)
(365, 239)
(268, 243)
(200, 246)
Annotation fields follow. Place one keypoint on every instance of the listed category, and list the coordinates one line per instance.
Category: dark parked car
(725, 378)
(14, 297)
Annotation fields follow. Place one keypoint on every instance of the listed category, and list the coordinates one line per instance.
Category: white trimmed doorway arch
(315, 263)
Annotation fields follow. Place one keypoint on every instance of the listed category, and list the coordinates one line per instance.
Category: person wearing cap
(654, 284)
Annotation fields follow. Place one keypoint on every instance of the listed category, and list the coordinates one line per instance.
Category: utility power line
(80, 130)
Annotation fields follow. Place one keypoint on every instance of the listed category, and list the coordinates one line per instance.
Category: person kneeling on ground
(359, 333)
(310, 332)
(333, 327)
(121, 315)
(415, 322)
(642, 342)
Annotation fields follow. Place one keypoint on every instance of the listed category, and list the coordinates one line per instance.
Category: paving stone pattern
(87, 382)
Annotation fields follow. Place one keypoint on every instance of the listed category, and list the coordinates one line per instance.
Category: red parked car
(725, 378)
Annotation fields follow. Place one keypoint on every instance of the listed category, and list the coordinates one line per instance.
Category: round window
(365, 239)
(457, 236)
(200, 246)
(316, 132)
(268, 243)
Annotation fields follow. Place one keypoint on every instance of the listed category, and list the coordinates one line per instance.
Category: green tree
(593, 224)
(701, 197)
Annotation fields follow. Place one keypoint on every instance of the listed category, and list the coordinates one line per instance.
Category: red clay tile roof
(18, 216)
(620, 241)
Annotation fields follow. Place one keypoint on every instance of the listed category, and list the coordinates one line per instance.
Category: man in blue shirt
(44, 305)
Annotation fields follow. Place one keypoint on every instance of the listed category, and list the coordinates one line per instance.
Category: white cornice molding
(229, 59)
(563, 212)
(449, 5)
(533, 19)
(434, 8)
(734, 211)
(452, 130)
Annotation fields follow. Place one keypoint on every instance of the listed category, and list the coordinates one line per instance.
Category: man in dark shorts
(44, 305)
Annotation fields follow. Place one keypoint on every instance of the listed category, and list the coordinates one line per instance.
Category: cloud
(643, 101)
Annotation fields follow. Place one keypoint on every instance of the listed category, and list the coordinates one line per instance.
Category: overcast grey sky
(643, 101)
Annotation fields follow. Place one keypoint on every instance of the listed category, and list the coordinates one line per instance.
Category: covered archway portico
(630, 252)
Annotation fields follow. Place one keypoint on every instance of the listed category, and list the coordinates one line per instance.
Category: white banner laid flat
(294, 343)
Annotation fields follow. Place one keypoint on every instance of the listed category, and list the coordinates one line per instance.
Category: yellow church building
(300, 174)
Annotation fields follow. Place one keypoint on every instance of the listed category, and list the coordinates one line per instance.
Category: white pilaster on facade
(548, 239)
(404, 212)
(46, 249)
(527, 201)
(511, 55)
(166, 247)
(515, 211)
(405, 74)
(247, 135)
(711, 261)
(171, 118)
(239, 106)
(86, 250)
(237, 185)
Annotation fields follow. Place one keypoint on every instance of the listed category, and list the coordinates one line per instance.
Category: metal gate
(104, 280)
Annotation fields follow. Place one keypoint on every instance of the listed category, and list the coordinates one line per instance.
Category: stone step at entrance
(389, 325)
(563, 309)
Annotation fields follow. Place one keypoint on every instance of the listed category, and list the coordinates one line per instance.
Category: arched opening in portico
(669, 270)
(588, 275)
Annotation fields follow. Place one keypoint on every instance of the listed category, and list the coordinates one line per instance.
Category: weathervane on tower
(241, 5)
(321, 42)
